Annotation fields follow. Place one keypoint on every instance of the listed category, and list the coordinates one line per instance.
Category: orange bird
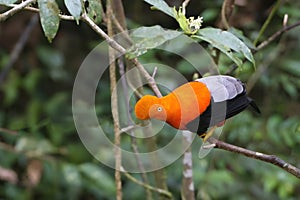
(197, 105)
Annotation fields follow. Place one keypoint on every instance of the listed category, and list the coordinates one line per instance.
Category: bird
(198, 105)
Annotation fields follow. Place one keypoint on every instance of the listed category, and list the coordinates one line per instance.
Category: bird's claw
(208, 134)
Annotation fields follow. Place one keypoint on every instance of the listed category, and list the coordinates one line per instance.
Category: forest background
(41, 154)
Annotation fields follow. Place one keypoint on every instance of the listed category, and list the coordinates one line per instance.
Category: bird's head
(150, 107)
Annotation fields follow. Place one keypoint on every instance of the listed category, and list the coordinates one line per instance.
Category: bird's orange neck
(186, 103)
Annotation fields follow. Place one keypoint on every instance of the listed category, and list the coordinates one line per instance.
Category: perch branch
(272, 159)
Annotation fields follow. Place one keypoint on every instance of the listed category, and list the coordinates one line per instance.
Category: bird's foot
(207, 135)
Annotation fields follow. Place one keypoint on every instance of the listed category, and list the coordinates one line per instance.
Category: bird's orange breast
(186, 103)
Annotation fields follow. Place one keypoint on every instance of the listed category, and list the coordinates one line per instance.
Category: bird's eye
(159, 109)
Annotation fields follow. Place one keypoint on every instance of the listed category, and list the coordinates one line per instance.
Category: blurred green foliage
(40, 146)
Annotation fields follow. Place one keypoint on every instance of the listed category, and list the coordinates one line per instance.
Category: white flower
(195, 24)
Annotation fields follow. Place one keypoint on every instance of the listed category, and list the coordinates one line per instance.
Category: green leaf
(162, 6)
(289, 86)
(146, 38)
(71, 175)
(31, 81)
(227, 43)
(7, 2)
(272, 126)
(54, 60)
(99, 177)
(240, 35)
(49, 17)
(50, 56)
(11, 88)
(74, 7)
(291, 66)
(94, 10)
(33, 112)
(35, 146)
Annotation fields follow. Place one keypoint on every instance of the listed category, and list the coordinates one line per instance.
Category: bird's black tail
(253, 105)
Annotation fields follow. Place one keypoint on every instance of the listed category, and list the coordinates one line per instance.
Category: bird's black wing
(228, 99)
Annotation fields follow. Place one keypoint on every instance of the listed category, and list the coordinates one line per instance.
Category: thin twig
(154, 72)
(126, 129)
(4, 130)
(159, 174)
(110, 41)
(158, 190)
(149, 78)
(134, 145)
(122, 50)
(98, 30)
(267, 22)
(114, 106)
(227, 8)
(30, 8)
(268, 60)
(276, 35)
(267, 42)
(8, 175)
(18, 47)
(187, 180)
(272, 159)
(15, 9)
(7, 147)
(184, 5)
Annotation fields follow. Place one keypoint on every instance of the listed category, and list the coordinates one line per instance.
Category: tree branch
(134, 145)
(114, 105)
(266, 43)
(32, 9)
(15, 9)
(11, 132)
(184, 5)
(227, 9)
(267, 22)
(8, 175)
(276, 35)
(122, 50)
(98, 30)
(272, 159)
(188, 191)
(18, 47)
(149, 187)
(159, 175)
